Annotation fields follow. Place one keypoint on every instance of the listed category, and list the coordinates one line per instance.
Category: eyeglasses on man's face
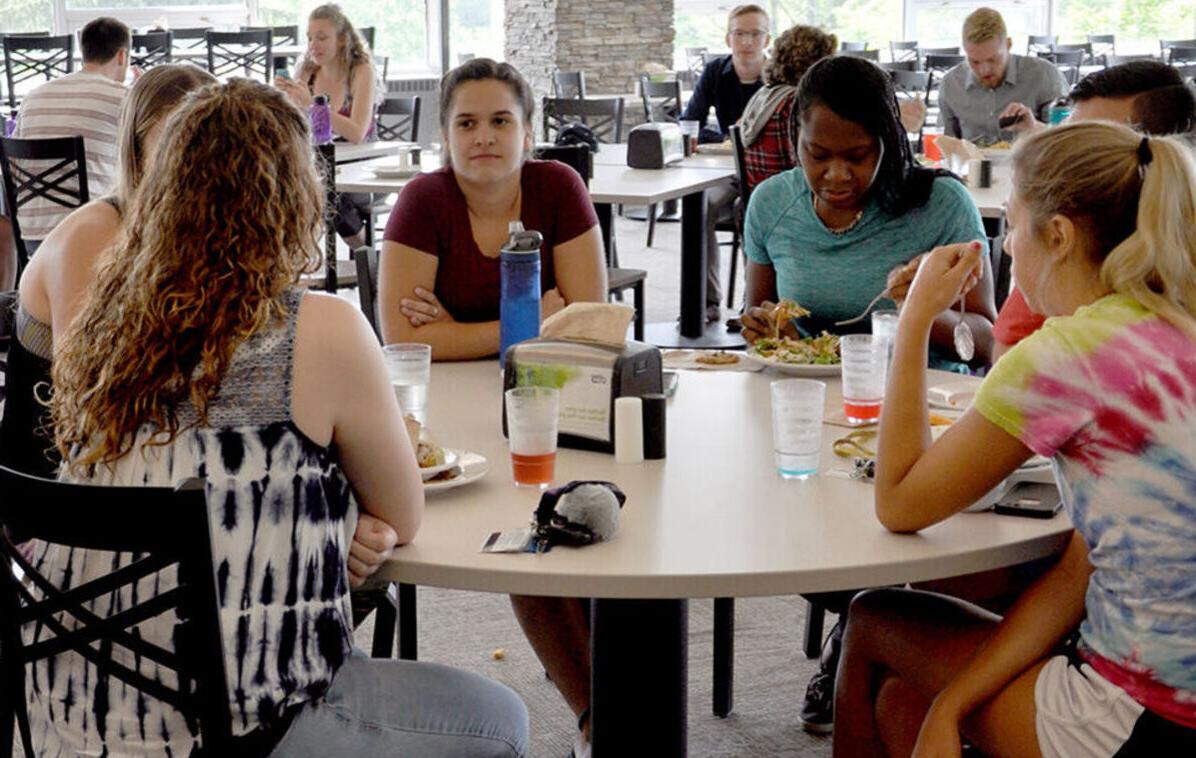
(755, 36)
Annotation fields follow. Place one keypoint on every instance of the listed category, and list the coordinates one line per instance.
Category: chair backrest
(903, 50)
(695, 60)
(1166, 44)
(569, 84)
(910, 83)
(940, 63)
(869, 55)
(367, 34)
(577, 157)
(1067, 61)
(737, 148)
(53, 169)
(1040, 43)
(285, 35)
(1181, 55)
(662, 100)
(150, 49)
(248, 53)
(845, 46)
(366, 259)
(398, 119)
(604, 116)
(164, 528)
(31, 57)
(938, 52)
(1002, 266)
(191, 37)
(1117, 60)
(1103, 45)
(909, 65)
(1083, 47)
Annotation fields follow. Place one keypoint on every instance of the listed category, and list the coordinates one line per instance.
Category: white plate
(797, 369)
(450, 460)
(956, 396)
(472, 467)
(393, 171)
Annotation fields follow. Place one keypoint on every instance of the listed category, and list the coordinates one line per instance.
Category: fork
(884, 293)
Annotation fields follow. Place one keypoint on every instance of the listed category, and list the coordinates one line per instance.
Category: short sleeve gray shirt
(969, 110)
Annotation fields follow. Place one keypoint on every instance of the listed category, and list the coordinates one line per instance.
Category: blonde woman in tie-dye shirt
(1100, 230)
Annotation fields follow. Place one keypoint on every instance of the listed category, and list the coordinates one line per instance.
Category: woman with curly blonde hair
(197, 354)
(64, 266)
(769, 147)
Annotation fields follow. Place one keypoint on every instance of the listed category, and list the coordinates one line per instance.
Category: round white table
(711, 520)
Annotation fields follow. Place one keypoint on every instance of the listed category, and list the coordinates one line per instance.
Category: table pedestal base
(639, 677)
(715, 337)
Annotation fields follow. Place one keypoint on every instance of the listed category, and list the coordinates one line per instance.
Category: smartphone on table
(1031, 499)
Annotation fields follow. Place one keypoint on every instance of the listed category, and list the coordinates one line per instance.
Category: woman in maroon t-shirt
(439, 274)
(439, 278)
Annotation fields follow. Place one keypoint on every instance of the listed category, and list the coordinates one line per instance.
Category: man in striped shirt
(86, 103)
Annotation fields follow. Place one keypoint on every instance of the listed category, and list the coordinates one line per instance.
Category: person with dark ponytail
(828, 233)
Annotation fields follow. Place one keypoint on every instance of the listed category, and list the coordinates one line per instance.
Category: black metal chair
(937, 66)
(51, 169)
(285, 35)
(190, 38)
(152, 48)
(1002, 266)
(604, 116)
(745, 194)
(367, 33)
(1111, 60)
(852, 46)
(366, 260)
(248, 53)
(662, 102)
(1040, 43)
(1068, 62)
(1181, 55)
(910, 65)
(398, 119)
(165, 528)
(28, 58)
(569, 85)
(1084, 47)
(1103, 45)
(924, 52)
(618, 280)
(1167, 44)
(903, 50)
(868, 55)
(695, 60)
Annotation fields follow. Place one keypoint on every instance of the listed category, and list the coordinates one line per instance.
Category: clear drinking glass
(864, 361)
(797, 426)
(410, 367)
(532, 414)
(884, 328)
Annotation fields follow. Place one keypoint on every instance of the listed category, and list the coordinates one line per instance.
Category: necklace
(840, 231)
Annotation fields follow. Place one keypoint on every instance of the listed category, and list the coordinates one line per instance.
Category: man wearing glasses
(727, 83)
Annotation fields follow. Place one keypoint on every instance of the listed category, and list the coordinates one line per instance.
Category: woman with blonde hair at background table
(197, 354)
(1095, 657)
(340, 66)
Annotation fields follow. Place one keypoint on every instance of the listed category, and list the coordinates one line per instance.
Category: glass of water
(797, 426)
(884, 328)
(410, 367)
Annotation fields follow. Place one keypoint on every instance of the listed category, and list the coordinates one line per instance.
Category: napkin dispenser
(590, 377)
(655, 145)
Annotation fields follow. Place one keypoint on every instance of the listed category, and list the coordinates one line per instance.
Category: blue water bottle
(519, 306)
(321, 121)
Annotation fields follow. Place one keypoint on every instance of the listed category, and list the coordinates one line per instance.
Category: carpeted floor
(465, 629)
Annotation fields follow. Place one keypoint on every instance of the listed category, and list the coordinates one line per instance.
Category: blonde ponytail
(1157, 263)
(1136, 199)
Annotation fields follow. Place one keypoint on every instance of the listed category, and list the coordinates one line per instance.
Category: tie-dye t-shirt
(1109, 393)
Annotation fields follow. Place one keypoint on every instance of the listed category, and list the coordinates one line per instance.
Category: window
(475, 29)
(400, 27)
(26, 16)
(934, 23)
(1138, 24)
(703, 23)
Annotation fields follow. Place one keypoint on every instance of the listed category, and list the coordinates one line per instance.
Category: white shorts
(1080, 713)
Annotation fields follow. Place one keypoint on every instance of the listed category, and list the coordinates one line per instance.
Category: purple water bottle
(10, 126)
(519, 306)
(321, 121)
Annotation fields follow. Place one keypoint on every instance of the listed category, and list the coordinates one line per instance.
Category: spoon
(965, 341)
(867, 310)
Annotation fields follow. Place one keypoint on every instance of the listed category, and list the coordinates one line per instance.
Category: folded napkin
(957, 151)
(602, 323)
